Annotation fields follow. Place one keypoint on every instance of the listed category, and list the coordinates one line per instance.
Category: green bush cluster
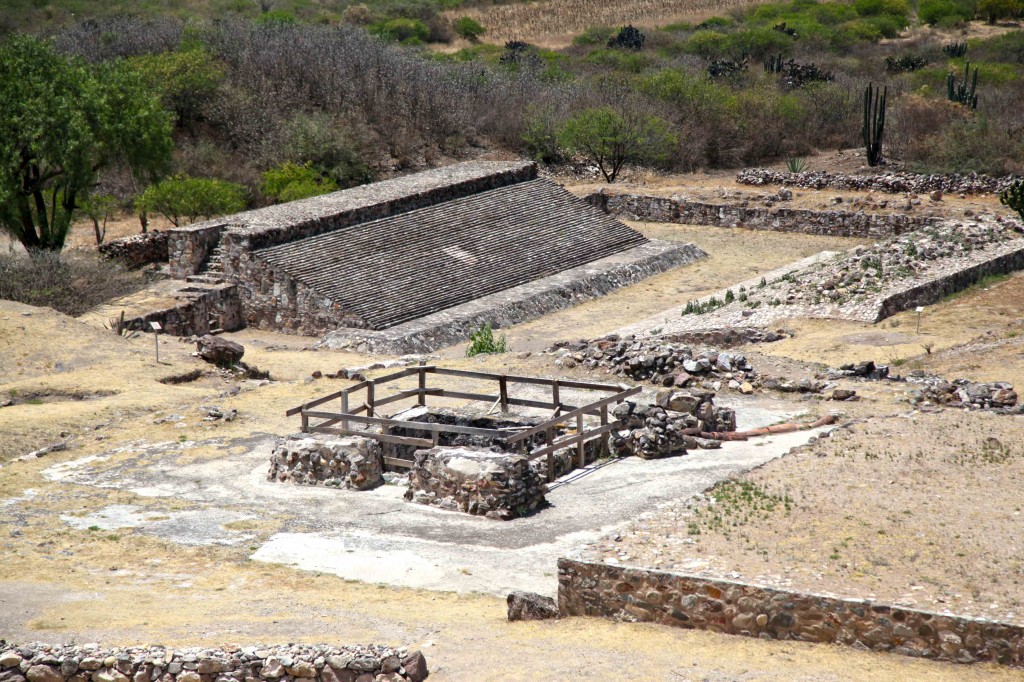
(483, 341)
(289, 181)
(184, 200)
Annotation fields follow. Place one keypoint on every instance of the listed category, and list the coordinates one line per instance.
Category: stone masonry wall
(138, 249)
(197, 310)
(349, 462)
(642, 595)
(39, 662)
(683, 211)
(188, 248)
(274, 300)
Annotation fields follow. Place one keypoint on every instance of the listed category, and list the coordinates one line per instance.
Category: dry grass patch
(922, 510)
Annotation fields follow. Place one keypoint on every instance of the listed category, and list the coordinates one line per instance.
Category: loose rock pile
(350, 462)
(671, 426)
(965, 394)
(952, 183)
(479, 482)
(657, 361)
(39, 662)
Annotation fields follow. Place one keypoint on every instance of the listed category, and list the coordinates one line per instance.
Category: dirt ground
(958, 548)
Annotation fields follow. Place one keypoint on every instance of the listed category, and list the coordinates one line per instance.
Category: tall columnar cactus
(963, 93)
(874, 122)
(1013, 197)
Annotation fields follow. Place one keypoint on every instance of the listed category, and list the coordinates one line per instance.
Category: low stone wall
(894, 183)
(667, 428)
(38, 662)
(937, 289)
(832, 223)
(199, 309)
(642, 595)
(138, 249)
(480, 482)
(519, 304)
(189, 247)
(351, 462)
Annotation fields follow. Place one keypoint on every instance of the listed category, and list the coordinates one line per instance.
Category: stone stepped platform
(519, 304)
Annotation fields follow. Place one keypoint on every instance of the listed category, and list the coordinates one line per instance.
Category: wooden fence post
(581, 450)
(421, 398)
(369, 400)
(503, 393)
(554, 397)
(551, 453)
(344, 409)
(605, 437)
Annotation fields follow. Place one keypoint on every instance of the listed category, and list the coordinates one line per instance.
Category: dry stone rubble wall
(916, 183)
(648, 596)
(350, 462)
(39, 662)
(686, 212)
(137, 250)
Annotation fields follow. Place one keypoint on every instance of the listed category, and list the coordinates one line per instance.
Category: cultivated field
(553, 23)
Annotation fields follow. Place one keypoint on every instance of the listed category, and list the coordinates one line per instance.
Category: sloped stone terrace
(388, 271)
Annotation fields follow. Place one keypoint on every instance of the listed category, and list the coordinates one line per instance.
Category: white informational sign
(155, 326)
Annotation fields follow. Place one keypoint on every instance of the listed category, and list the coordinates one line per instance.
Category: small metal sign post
(155, 326)
(920, 309)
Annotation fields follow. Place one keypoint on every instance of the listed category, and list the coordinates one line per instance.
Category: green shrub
(469, 29)
(1007, 48)
(629, 62)
(183, 200)
(288, 182)
(482, 341)
(321, 140)
(403, 30)
(707, 44)
(993, 10)
(933, 12)
(595, 35)
(758, 43)
(540, 136)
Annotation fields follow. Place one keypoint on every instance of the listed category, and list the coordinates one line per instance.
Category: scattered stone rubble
(952, 183)
(672, 425)
(965, 394)
(660, 362)
(349, 462)
(480, 482)
(867, 269)
(38, 662)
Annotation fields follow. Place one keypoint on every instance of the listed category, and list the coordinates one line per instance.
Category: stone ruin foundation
(351, 462)
(482, 475)
(497, 485)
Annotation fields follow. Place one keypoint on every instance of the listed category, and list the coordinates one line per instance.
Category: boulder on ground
(530, 606)
(219, 351)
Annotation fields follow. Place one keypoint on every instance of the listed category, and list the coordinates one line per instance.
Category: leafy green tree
(183, 79)
(184, 200)
(994, 10)
(469, 29)
(289, 181)
(611, 139)
(99, 208)
(61, 122)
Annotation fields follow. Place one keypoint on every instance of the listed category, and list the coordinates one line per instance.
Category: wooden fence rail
(363, 411)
